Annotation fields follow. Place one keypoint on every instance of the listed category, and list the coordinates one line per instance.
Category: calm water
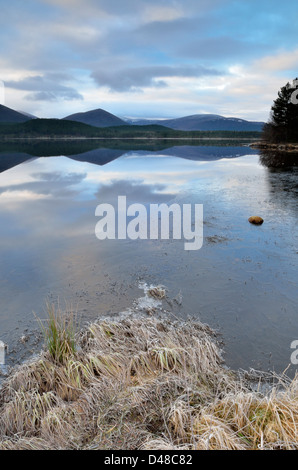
(243, 281)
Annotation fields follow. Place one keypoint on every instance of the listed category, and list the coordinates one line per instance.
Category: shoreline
(186, 139)
(143, 381)
(282, 147)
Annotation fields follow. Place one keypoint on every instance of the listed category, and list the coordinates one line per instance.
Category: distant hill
(51, 128)
(48, 128)
(97, 118)
(9, 116)
(205, 122)
(100, 118)
(64, 129)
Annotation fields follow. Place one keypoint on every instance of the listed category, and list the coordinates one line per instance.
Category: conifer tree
(283, 124)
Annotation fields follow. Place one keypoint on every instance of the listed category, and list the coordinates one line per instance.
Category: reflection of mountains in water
(101, 153)
(202, 153)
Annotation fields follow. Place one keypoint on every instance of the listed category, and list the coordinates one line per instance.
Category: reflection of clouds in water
(138, 179)
(135, 191)
(136, 156)
(173, 181)
(35, 188)
(52, 184)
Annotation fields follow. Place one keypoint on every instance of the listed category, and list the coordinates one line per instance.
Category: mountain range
(9, 116)
(204, 122)
(101, 118)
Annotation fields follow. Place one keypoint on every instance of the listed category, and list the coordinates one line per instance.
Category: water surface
(243, 281)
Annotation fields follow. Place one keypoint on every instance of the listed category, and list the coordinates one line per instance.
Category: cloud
(127, 55)
(137, 7)
(45, 88)
(281, 61)
(221, 47)
(67, 95)
(134, 78)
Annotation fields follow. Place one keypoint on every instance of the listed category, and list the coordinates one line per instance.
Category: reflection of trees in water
(274, 159)
(50, 148)
(282, 177)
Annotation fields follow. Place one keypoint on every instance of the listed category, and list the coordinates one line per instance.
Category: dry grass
(142, 384)
(59, 333)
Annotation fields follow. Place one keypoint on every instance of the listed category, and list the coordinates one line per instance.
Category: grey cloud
(46, 88)
(129, 79)
(220, 47)
(167, 33)
(155, 39)
(41, 96)
(67, 95)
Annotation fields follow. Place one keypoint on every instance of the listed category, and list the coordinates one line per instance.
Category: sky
(147, 58)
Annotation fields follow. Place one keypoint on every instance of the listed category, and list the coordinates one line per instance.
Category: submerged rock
(255, 220)
(157, 293)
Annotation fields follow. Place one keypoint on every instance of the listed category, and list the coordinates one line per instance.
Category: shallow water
(243, 282)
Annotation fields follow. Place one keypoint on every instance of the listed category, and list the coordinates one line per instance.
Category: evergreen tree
(283, 125)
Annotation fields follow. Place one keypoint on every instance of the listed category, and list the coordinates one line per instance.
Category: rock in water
(256, 220)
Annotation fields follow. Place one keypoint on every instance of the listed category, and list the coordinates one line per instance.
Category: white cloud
(279, 62)
(161, 13)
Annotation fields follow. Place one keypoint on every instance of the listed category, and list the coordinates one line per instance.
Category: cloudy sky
(147, 58)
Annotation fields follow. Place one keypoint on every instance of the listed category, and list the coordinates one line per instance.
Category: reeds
(140, 384)
(59, 333)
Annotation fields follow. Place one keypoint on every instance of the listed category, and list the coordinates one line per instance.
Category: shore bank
(275, 147)
(143, 383)
(70, 138)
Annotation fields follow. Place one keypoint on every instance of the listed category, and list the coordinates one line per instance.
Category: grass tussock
(140, 384)
(59, 332)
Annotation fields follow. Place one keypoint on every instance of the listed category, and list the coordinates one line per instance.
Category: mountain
(101, 118)
(52, 128)
(56, 128)
(28, 115)
(9, 116)
(96, 118)
(204, 122)
(47, 128)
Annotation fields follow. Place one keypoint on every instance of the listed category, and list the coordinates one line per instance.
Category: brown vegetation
(142, 384)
